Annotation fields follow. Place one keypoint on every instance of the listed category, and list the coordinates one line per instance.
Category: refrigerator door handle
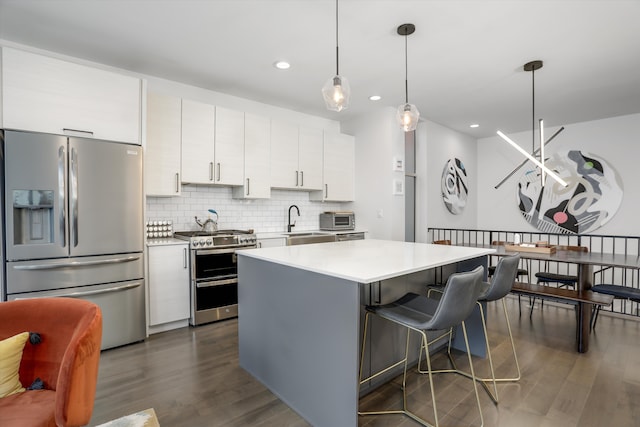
(74, 197)
(62, 190)
(101, 291)
(76, 263)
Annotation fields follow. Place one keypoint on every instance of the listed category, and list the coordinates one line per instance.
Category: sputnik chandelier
(532, 67)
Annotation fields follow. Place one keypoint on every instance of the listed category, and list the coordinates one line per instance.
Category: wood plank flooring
(191, 377)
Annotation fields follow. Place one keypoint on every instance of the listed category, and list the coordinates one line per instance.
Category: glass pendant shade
(408, 116)
(336, 93)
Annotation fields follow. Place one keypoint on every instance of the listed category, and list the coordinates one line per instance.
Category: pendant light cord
(337, 56)
(533, 110)
(406, 73)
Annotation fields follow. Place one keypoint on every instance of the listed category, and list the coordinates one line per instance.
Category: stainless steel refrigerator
(73, 226)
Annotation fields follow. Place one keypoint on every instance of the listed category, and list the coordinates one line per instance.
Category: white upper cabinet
(296, 157)
(257, 146)
(229, 147)
(49, 95)
(198, 132)
(338, 170)
(310, 158)
(212, 144)
(162, 150)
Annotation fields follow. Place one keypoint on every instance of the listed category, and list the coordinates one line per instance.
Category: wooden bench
(583, 300)
(568, 295)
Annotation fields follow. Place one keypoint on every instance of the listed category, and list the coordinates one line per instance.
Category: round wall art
(454, 186)
(592, 197)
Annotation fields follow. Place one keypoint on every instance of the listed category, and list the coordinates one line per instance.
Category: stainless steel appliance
(358, 235)
(73, 226)
(214, 272)
(335, 221)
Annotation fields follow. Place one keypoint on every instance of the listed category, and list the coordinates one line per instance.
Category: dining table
(585, 261)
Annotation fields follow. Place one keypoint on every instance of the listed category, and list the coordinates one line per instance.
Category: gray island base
(300, 316)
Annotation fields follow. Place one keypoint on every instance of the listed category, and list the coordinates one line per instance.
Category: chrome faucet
(289, 225)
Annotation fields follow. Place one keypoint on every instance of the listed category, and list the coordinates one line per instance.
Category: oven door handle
(216, 283)
(215, 251)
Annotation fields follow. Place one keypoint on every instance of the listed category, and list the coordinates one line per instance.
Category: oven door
(214, 264)
(214, 285)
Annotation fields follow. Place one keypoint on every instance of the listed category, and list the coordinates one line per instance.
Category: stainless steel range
(214, 272)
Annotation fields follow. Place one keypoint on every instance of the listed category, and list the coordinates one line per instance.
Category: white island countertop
(366, 261)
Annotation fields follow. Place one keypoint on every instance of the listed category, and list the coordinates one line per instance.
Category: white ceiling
(465, 58)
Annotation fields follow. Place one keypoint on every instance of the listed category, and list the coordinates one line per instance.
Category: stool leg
(493, 396)
(473, 374)
(513, 345)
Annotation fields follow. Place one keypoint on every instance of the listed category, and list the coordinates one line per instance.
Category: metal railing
(626, 245)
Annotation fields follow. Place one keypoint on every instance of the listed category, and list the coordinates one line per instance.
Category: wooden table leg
(583, 310)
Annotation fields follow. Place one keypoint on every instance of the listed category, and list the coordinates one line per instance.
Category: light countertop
(284, 234)
(366, 261)
(164, 241)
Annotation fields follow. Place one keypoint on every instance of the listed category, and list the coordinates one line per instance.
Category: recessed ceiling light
(281, 65)
(375, 98)
(475, 125)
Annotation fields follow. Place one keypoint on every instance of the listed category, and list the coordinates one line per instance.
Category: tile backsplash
(265, 215)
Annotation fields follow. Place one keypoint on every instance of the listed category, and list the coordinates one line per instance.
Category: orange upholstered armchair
(65, 360)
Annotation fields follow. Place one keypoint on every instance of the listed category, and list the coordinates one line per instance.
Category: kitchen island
(300, 314)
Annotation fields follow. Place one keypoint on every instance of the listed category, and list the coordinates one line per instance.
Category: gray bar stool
(505, 274)
(417, 313)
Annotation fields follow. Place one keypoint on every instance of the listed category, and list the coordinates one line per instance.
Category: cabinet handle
(219, 171)
(301, 178)
(210, 171)
(248, 186)
(326, 191)
(66, 130)
(184, 250)
(296, 178)
(177, 182)
(259, 244)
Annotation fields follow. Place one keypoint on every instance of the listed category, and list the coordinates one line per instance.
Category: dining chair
(561, 280)
(420, 314)
(438, 272)
(495, 290)
(492, 268)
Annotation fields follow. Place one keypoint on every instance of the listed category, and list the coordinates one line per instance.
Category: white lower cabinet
(168, 279)
(272, 242)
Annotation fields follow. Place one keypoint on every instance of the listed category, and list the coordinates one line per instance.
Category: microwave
(334, 221)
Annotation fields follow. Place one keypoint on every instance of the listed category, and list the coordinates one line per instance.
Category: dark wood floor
(191, 378)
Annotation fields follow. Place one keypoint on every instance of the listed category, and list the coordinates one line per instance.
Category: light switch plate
(398, 187)
(398, 164)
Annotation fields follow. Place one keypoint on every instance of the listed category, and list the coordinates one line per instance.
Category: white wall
(443, 144)
(267, 215)
(378, 140)
(617, 140)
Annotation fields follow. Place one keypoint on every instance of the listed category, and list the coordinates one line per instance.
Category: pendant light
(336, 91)
(407, 114)
(532, 67)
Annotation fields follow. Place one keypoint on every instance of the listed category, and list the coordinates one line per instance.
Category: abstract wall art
(455, 186)
(591, 199)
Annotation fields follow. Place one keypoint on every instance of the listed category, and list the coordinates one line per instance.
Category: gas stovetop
(220, 238)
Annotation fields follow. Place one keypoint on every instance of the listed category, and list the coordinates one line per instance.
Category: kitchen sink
(304, 238)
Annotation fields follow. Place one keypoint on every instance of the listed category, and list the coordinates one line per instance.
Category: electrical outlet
(380, 214)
